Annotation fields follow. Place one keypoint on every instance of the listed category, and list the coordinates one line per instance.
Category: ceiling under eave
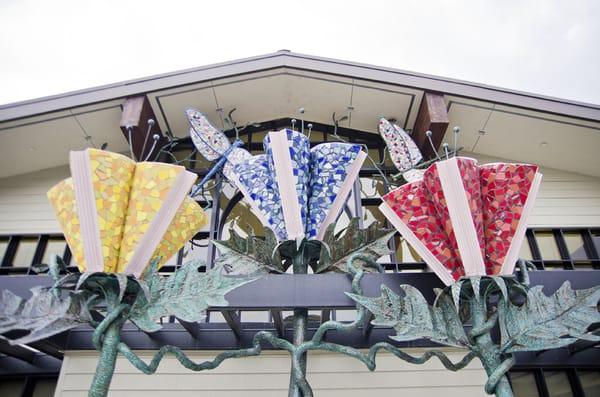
(523, 127)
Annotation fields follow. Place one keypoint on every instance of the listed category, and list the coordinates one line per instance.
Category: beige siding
(267, 375)
(24, 207)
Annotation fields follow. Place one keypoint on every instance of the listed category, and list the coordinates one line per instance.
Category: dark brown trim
(432, 116)
(135, 125)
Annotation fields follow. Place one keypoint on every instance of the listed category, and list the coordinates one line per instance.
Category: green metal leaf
(413, 318)
(370, 242)
(112, 286)
(456, 289)
(39, 268)
(475, 284)
(186, 294)
(56, 266)
(249, 255)
(44, 314)
(547, 322)
(446, 317)
(501, 284)
(10, 305)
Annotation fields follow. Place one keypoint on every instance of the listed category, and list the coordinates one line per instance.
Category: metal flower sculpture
(122, 221)
(106, 301)
(464, 316)
(353, 251)
(298, 193)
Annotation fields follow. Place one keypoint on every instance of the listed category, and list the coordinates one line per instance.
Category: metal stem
(106, 362)
(299, 266)
(489, 353)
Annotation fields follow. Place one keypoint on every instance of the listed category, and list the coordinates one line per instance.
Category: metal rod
(446, 150)
(214, 222)
(148, 130)
(301, 110)
(357, 203)
(299, 266)
(106, 362)
(129, 128)
(488, 352)
(456, 131)
(429, 134)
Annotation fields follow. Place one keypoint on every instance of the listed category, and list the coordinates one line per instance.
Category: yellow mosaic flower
(127, 197)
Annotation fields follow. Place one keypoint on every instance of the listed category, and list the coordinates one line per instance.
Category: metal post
(358, 212)
(488, 352)
(215, 213)
(299, 266)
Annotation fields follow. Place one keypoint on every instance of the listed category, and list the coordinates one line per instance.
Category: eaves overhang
(311, 63)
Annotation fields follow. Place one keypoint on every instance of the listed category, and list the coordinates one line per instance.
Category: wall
(24, 207)
(268, 375)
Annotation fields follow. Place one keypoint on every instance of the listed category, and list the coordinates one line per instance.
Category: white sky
(541, 46)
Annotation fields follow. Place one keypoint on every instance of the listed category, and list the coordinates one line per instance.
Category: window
(555, 383)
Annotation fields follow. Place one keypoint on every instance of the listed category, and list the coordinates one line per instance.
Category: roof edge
(286, 58)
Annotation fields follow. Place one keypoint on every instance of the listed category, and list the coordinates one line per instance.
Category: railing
(546, 248)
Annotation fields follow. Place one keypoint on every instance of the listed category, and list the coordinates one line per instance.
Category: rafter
(135, 120)
(432, 116)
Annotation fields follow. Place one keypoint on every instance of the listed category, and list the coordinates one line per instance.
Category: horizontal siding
(24, 207)
(565, 198)
(268, 375)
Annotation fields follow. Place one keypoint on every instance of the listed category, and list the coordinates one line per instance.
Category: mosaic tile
(188, 219)
(436, 195)
(412, 203)
(299, 147)
(505, 189)
(404, 152)
(329, 163)
(150, 185)
(111, 178)
(413, 175)
(318, 174)
(235, 157)
(254, 173)
(496, 195)
(209, 140)
(212, 143)
(62, 200)
(469, 172)
(127, 197)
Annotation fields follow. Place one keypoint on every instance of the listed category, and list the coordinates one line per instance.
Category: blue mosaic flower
(317, 173)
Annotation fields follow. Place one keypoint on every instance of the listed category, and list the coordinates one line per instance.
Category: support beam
(325, 315)
(367, 327)
(233, 320)
(326, 291)
(16, 351)
(278, 323)
(49, 348)
(42, 365)
(135, 118)
(433, 117)
(192, 328)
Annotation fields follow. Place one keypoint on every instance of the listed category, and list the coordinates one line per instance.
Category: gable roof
(495, 121)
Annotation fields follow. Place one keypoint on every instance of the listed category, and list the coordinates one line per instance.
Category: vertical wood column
(433, 117)
(136, 114)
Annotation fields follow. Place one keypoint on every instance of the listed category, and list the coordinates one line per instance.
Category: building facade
(339, 101)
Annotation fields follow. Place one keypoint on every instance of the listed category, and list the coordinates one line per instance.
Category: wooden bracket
(135, 117)
(432, 116)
